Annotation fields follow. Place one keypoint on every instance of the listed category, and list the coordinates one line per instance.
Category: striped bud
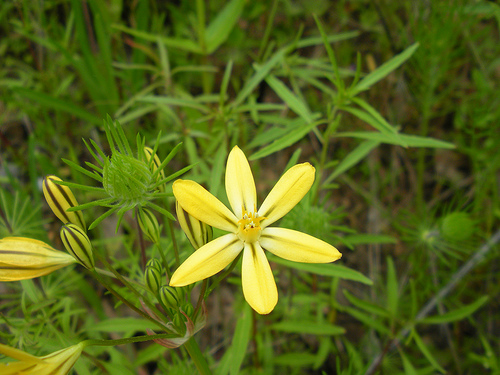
(169, 296)
(149, 225)
(197, 232)
(77, 243)
(153, 275)
(59, 199)
(148, 151)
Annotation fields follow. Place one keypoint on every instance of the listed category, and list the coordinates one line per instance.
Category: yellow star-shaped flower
(249, 229)
(57, 363)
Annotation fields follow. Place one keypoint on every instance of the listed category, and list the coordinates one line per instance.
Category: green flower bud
(126, 178)
(77, 243)
(153, 275)
(149, 224)
(169, 296)
(180, 323)
(188, 309)
(148, 151)
(197, 232)
(59, 199)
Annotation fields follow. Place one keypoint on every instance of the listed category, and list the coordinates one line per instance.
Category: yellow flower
(57, 363)
(249, 230)
(24, 258)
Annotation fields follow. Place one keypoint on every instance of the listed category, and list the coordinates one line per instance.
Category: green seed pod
(60, 198)
(149, 225)
(153, 275)
(197, 232)
(169, 296)
(77, 243)
(457, 226)
(148, 151)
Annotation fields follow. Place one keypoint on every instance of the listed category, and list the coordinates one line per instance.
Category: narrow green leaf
(57, 104)
(286, 140)
(177, 43)
(392, 288)
(309, 328)
(367, 320)
(362, 238)
(388, 132)
(324, 269)
(366, 306)
(410, 140)
(260, 74)
(409, 369)
(121, 325)
(190, 103)
(221, 26)
(383, 70)
(294, 360)
(353, 158)
(457, 314)
(426, 352)
(292, 101)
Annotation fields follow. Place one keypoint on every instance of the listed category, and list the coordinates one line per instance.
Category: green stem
(128, 340)
(126, 302)
(197, 356)
(131, 288)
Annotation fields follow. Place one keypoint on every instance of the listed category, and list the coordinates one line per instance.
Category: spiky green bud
(78, 244)
(149, 225)
(148, 152)
(127, 179)
(169, 296)
(153, 275)
(197, 232)
(60, 198)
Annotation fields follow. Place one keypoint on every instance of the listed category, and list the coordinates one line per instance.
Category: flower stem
(197, 356)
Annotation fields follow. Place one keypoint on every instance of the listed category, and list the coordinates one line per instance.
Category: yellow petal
(287, 192)
(257, 279)
(198, 202)
(24, 258)
(18, 354)
(297, 246)
(240, 185)
(208, 260)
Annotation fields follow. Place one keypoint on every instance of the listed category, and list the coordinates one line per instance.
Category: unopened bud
(197, 232)
(59, 199)
(149, 225)
(77, 243)
(153, 275)
(169, 296)
(188, 309)
(180, 323)
(148, 151)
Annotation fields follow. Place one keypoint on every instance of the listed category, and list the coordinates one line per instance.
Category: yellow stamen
(249, 226)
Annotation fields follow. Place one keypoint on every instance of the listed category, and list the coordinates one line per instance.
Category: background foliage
(399, 112)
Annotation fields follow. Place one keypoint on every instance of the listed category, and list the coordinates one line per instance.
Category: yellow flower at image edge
(24, 258)
(57, 363)
(249, 230)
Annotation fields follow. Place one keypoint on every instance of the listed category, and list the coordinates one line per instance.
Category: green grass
(394, 103)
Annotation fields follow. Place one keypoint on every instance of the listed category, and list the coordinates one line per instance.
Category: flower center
(249, 226)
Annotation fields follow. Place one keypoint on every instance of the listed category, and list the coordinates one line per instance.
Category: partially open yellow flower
(57, 363)
(249, 230)
(24, 258)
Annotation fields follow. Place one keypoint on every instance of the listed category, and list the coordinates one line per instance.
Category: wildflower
(24, 258)
(78, 244)
(60, 198)
(249, 230)
(57, 363)
(197, 232)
